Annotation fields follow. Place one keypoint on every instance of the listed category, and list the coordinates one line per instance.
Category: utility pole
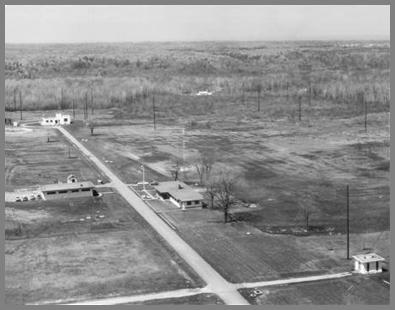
(15, 89)
(243, 95)
(20, 103)
(348, 223)
(92, 108)
(366, 113)
(142, 167)
(259, 99)
(61, 99)
(86, 106)
(300, 107)
(154, 110)
(72, 102)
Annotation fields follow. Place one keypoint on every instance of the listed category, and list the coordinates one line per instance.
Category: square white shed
(368, 263)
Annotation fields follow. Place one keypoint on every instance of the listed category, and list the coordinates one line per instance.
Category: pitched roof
(66, 186)
(367, 258)
(185, 193)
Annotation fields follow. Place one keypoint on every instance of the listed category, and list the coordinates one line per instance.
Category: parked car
(18, 199)
(32, 197)
(25, 198)
(39, 196)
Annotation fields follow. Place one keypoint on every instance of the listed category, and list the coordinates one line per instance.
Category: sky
(136, 23)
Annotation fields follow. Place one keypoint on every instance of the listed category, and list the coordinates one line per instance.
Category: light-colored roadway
(215, 282)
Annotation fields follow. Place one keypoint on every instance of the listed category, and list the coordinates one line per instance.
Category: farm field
(85, 248)
(370, 290)
(278, 163)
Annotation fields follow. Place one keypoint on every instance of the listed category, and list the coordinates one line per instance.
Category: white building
(368, 263)
(204, 93)
(59, 119)
(179, 194)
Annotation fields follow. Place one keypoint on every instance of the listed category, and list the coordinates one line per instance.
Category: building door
(377, 265)
(367, 267)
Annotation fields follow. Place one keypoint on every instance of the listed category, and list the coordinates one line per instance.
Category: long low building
(179, 194)
(68, 190)
(59, 119)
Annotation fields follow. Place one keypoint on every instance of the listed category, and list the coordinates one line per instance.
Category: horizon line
(371, 38)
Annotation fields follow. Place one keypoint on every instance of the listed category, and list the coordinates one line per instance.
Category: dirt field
(369, 290)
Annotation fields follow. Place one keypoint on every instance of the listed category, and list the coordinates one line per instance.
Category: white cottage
(368, 263)
(59, 119)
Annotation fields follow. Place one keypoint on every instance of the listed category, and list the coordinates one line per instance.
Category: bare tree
(203, 164)
(176, 167)
(225, 181)
(92, 126)
(306, 204)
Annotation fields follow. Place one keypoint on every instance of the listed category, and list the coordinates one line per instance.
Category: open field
(31, 160)
(369, 290)
(278, 163)
(243, 253)
(83, 247)
(293, 151)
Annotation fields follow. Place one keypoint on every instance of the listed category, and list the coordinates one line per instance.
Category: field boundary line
(292, 280)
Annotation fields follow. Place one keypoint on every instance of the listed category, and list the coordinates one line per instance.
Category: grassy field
(83, 247)
(356, 290)
(31, 160)
(243, 253)
(278, 163)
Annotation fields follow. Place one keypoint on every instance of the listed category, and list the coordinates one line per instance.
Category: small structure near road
(68, 190)
(204, 93)
(368, 263)
(179, 194)
(59, 119)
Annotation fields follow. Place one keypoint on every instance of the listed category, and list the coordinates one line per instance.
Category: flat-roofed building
(68, 190)
(180, 194)
(59, 119)
(368, 263)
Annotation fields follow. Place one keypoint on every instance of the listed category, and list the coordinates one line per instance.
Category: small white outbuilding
(59, 119)
(368, 263)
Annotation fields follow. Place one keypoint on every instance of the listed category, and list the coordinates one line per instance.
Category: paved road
(293, 280)
(129, 299)
(215, 282)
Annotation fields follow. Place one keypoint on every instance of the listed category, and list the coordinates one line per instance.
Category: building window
(189, 203)
(86, 189)
(62, 192)
(51, 193)
(65, 119)
(75, 190)
(197, 202)
(46, 121)
(377, 265)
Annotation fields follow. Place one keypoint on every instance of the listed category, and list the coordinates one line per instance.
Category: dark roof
(66, 186)
(185, 193)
